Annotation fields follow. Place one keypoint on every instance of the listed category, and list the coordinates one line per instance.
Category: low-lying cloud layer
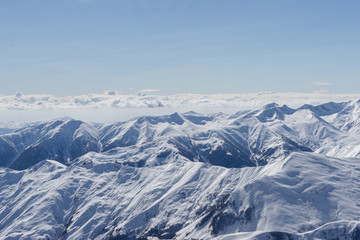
(111, 99)
(110, 106)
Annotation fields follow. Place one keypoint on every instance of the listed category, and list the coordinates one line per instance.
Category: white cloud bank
(144, 92)
(113, 100)
(111, 106)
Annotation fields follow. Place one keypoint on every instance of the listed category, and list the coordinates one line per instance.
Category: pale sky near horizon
(74, 47)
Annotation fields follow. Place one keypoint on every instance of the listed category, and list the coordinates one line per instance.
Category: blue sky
(73, 47)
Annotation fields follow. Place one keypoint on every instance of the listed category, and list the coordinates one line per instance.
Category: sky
(74, 47)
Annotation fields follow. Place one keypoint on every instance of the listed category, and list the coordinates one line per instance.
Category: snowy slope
(274, 173)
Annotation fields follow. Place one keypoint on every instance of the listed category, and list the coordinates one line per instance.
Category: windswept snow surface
(273, 173)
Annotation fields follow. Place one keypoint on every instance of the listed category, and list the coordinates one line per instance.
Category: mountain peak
(270, 105)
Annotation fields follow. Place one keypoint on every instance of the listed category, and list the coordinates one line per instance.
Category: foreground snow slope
(275, 173)
(181, 199)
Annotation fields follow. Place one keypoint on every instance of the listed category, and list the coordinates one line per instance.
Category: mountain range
(272, 173)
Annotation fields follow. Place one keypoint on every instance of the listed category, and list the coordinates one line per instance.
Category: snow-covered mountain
(273, 173)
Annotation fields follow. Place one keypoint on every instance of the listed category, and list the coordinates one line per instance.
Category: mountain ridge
(272, 173)
(102, 138)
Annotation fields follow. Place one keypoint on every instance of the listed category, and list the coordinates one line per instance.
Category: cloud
(143, 92)
(322, 83)
(177, 102)
(110, 107)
